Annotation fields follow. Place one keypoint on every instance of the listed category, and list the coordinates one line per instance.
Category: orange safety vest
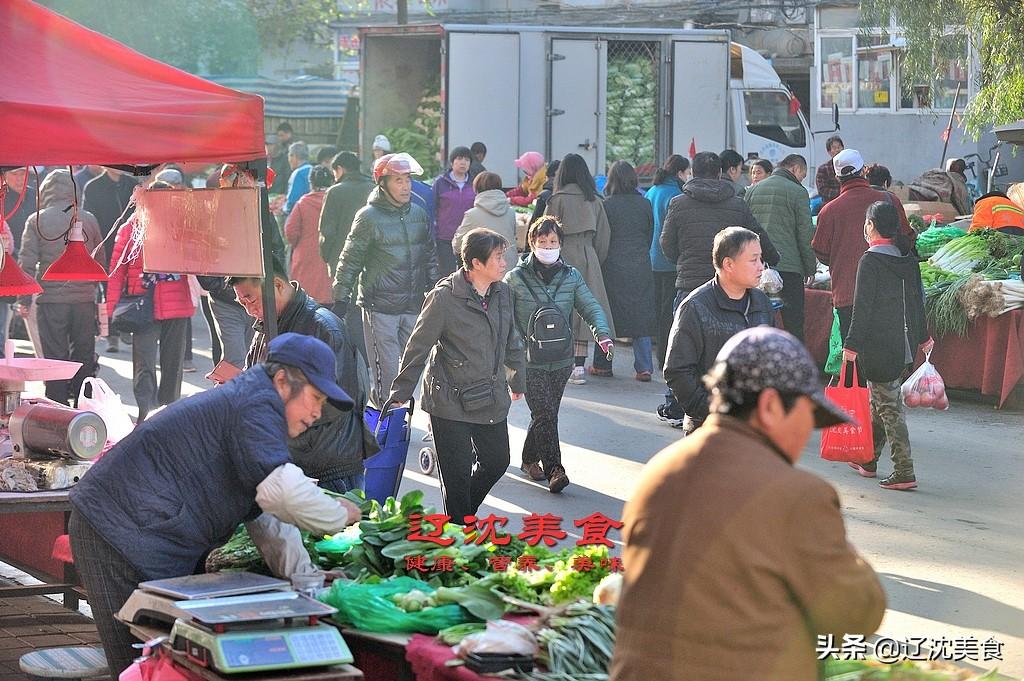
(996, 212)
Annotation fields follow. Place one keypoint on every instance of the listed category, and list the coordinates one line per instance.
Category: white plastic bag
(925, 388)
(107, 404)
(771, 281)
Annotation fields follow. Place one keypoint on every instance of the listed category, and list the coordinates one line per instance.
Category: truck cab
(765, 117)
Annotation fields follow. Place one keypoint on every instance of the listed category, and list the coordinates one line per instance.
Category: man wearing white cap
(839, 236)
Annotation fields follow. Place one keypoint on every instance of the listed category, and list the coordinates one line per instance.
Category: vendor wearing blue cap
(184, 479)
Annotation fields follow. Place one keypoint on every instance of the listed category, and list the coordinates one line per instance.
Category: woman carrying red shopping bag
(887, 327)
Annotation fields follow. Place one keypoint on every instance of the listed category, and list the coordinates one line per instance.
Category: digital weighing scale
(273, 630)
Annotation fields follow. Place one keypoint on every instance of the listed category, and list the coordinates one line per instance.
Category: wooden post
(949, 128)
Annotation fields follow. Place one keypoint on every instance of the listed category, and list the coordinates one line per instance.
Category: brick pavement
(32, 622)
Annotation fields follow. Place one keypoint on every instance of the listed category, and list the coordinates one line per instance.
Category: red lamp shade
(14, 281)
(75, 264)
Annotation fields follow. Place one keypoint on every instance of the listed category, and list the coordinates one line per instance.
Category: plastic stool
(80, 662)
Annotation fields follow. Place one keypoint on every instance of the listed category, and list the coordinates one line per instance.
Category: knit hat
(762, 357)
(530, 162)
(381, 142)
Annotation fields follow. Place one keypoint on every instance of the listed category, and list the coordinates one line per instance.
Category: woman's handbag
(132, 313)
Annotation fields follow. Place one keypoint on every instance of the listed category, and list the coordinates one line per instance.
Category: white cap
(381, 142)
(847, 162)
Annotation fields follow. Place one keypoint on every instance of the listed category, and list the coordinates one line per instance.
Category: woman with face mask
(545, 293)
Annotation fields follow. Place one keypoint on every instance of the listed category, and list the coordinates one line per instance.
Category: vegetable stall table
(989, 359)
(27, 543)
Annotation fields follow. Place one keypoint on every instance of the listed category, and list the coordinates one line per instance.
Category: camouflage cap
(762, 357)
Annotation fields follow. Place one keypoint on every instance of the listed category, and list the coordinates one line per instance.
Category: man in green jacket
(781, 205)
(341, 203)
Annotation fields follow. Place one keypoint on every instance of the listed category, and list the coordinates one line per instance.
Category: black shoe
(900, 481)
(674, 417)
(558, 481)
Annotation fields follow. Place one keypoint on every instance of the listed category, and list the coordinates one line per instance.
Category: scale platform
(220, 613)
(214, 585)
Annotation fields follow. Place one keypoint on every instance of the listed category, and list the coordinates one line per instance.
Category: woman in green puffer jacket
(543, 274)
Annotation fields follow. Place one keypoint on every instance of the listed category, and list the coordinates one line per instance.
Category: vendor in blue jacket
(183, 480)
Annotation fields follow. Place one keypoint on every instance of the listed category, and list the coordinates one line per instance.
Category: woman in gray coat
(466, 338)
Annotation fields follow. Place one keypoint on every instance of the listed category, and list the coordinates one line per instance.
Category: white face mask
(547, 255)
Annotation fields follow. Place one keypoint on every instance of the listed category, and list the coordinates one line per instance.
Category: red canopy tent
(74, 96)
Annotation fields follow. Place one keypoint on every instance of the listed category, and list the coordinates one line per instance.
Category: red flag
(794, 105)
(945, 135)
(270, 176)
(693, 147)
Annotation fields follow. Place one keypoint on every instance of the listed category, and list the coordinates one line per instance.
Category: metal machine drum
(42, 429)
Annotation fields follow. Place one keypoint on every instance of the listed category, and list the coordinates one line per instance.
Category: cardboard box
(947, 210)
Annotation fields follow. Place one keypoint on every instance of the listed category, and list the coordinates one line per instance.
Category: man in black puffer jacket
(390, 252)
(333, 448)
(711, 315)
(707, 205)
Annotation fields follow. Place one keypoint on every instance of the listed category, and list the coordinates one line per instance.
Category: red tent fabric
(73, 96)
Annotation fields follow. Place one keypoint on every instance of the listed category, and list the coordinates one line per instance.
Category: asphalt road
(950, 554)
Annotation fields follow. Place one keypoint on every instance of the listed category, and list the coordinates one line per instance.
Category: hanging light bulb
(13, 280)
(75, 264)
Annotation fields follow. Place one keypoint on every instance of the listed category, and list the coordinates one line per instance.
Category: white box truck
(604, 93)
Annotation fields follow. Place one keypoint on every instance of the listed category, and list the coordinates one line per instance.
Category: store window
(940, 94)
(859, 68)
(837, 72)
(874, 72)
(772, 115)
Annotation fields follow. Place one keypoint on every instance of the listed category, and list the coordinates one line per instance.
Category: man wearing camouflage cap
(735, 559)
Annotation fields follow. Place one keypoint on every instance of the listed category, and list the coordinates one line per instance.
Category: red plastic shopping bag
(850, 442)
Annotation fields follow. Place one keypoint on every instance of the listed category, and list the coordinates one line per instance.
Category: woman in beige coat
(491, 210)
(577, 205)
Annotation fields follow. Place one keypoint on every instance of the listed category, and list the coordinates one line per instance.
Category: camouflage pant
(889, 424)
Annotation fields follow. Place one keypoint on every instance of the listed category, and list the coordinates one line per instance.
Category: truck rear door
(575, 111)
(700, 101)
(483, 97)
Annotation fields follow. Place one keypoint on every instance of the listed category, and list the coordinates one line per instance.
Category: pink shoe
(866, 470)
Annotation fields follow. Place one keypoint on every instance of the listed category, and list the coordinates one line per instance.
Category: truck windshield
(770, 115)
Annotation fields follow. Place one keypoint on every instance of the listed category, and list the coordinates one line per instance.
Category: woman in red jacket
(172, 308)
(302, 230)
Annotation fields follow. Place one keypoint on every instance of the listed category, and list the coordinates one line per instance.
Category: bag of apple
(925, 388)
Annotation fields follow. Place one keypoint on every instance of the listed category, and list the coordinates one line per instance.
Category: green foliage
(217, 37)
(994, 29)
(208, 37)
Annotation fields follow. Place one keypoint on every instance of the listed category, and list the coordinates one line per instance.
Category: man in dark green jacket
(341, 204)
(781, 205)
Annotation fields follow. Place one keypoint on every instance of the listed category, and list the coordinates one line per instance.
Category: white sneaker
(578, 376)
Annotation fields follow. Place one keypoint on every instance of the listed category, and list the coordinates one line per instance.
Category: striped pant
(109, 580)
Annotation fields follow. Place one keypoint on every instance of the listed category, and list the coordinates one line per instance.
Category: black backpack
(549, 334)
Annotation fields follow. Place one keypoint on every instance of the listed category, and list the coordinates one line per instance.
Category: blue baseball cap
(315, 359)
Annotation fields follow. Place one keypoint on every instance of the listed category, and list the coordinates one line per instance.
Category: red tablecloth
(990, 358)
(427, 658)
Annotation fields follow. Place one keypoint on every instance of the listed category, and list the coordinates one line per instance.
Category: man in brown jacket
(736, 560)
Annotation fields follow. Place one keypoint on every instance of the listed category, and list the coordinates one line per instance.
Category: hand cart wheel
(427, 460)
